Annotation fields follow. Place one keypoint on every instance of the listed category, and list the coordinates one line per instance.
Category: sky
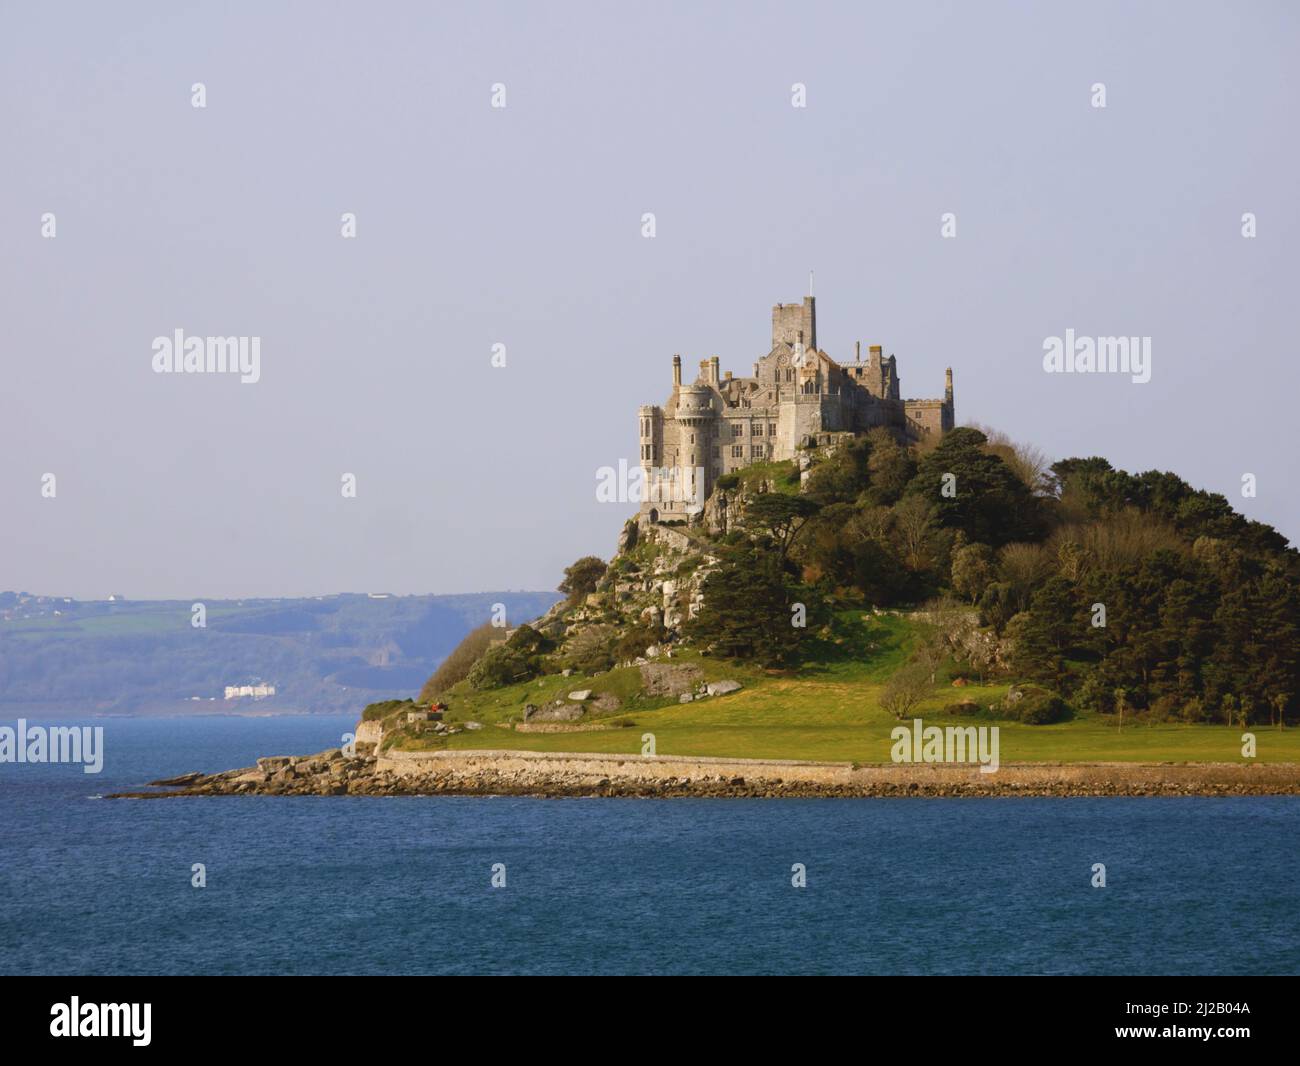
(522, 226)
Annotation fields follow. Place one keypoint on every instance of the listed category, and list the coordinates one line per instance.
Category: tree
(747, 610)
(997, 606)
(582, 578)
(914, 528)
(843, 475)
(975, 491)
(973, 569)
(890, 467)
(906, 688)
(780, 516)
(1026, 461)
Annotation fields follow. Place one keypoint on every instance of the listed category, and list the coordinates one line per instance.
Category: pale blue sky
(522, 226)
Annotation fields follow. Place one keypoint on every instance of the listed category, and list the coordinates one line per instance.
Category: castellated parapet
(798, 397)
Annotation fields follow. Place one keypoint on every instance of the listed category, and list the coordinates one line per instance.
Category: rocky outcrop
(669, 679)
(370, 733)
(553, 712)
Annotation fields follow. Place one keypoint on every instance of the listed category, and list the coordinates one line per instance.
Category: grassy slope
(828, 712)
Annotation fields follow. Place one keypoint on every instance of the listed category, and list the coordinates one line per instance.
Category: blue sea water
(402, 885)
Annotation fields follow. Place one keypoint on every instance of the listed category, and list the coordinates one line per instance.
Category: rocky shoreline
(545, 774)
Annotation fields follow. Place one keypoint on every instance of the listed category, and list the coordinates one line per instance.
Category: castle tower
(651, 420)
(697, 422)
(789, 320)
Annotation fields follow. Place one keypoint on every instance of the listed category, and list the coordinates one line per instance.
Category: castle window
(737, 429)
(738, 451)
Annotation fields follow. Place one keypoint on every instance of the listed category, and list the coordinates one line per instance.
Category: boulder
(552, 713)
(661, 679)
(580, 695)
(721, 688)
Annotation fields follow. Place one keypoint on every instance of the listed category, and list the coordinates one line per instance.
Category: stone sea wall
(529, 773)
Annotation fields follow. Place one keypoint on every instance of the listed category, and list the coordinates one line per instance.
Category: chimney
(947, 386)
(715, 370)
(857, 351)
(677, 370)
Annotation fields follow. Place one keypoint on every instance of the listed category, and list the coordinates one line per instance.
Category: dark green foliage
(997, 606)
(529, 642)
(747, 611)
(1201, 606)
(636, 639)
(780, 517)
(989, 503)
(582, 578)
(1042, 708)
(500, 665)
(844, 476)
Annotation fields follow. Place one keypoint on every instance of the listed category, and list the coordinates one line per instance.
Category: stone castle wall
(798, 394)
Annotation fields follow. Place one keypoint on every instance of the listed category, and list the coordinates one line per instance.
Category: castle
(798, 396)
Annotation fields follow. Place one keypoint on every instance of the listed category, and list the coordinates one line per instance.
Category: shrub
(528, 642)
(1042, 708)
(592, 650)
(456, 667)
(582, 578)
(634, 642)
(501, 665)
(383, 709)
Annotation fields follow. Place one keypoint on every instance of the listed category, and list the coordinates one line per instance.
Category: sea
(499, 885)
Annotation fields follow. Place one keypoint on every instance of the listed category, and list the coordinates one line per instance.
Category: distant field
(830, 712)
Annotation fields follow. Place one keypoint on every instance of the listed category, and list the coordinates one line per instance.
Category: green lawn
(829, 712)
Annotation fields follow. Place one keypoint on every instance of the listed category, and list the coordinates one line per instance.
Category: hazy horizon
(521, 226)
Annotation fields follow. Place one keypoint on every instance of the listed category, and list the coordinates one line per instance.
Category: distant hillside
(329, 653)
